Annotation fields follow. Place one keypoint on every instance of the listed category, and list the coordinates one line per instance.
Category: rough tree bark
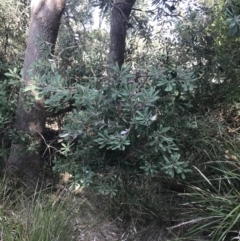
(119, 19)
(44, 23)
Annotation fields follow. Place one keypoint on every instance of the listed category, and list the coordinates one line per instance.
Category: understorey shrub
(126, 122)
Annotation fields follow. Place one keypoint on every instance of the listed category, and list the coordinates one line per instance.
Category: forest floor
(59, 213)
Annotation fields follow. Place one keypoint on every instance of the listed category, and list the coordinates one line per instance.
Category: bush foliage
(170, 113)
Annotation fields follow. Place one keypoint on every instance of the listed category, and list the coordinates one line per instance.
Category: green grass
(25, 218)
(211, 210)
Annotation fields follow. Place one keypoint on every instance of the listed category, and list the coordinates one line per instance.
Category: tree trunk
(119, 19)
(44, 23)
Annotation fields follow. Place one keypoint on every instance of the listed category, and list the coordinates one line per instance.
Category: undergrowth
(138, 212)
(204, 207)
(211, 207)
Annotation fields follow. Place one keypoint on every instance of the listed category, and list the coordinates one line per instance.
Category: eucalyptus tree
(121, 11)
(44, 26)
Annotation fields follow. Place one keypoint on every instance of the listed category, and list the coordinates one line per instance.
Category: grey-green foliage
(8, 102)
(8, 96)
(127, 120)
(233, 19)
(234, 24)
(130, 120)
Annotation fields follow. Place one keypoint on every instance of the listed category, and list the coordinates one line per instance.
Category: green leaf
(169, 87)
